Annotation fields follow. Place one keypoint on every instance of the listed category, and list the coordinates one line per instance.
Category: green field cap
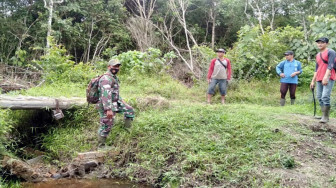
(114, 62)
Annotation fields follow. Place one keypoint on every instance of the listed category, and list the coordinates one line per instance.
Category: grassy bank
(179, 140)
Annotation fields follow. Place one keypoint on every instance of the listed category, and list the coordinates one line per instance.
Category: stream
(85, 183)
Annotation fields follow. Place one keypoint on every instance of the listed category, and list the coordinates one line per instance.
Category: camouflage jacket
(109, 92)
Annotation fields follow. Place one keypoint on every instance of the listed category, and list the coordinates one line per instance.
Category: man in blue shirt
(288, 70)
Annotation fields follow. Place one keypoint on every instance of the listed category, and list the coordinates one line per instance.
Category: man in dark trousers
(324, 76)
(288, 70)
(219, 73)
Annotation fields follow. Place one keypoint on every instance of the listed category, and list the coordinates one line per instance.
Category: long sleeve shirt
(109, 92)
(212, 67)
(288, 68)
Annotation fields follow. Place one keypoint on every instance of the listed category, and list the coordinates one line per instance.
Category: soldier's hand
(109, 114)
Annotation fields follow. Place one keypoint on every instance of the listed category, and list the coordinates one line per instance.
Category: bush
(255, 55)
(79, 73)
(150, 61)
(55, 62)
(6, 123)
(203, 56)
(307, 74)
(323, 26)
(58, 66)
(20, 58)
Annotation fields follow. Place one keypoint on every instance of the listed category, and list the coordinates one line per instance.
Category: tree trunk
(89, 45)
(273, 15)
(51, 7)
(187, 38)
(49, 4)
(213, 35)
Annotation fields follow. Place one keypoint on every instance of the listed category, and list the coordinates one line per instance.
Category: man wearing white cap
(219, 73)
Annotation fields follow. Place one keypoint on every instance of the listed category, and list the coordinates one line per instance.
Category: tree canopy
(96, 30)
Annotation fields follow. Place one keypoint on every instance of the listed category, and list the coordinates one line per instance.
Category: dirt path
(314, 154)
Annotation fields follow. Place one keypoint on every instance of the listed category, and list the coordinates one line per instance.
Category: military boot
(326, 113)
(292, 101)
(128, 123)
(101, 142)
(282, 102)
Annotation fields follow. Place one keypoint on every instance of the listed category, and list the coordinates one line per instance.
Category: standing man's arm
(211, 69)
(229, 69)
(280, 69)
(299, 70)
(331, 61)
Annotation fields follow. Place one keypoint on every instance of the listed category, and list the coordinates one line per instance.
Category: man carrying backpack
(288, 70)
(219, 73)
(324, 76)
(110, 102)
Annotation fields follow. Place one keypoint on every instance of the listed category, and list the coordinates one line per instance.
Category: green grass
(9, 184)
(189, 142)
(211, 143)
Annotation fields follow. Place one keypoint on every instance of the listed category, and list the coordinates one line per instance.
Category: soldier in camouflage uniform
(111, 103)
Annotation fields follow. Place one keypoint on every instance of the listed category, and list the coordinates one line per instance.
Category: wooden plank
(27, 102)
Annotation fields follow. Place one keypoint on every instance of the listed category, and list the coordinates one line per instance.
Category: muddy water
(83, 183)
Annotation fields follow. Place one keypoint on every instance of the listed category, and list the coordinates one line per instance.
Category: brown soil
(315, 160)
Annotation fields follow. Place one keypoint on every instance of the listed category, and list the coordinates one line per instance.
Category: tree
(49, 4)
(140, 24)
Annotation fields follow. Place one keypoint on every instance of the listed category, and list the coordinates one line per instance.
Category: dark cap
(221, 50)
(323, 39)
(289, 53)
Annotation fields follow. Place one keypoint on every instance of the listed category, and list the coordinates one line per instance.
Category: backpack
(326, 62)
(92, 90)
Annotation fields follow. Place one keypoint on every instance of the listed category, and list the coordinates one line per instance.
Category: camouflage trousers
(106, 124)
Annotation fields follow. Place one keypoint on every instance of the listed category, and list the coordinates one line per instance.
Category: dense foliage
(96, 31)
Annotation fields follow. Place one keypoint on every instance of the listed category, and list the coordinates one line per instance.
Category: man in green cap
(111, 103)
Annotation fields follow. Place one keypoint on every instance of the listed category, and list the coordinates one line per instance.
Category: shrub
(307, 74)
(6, 123)
(55, 62)
(202, 56)
(150, 61)
(20, 58)
(256, 54)
(58, 66)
